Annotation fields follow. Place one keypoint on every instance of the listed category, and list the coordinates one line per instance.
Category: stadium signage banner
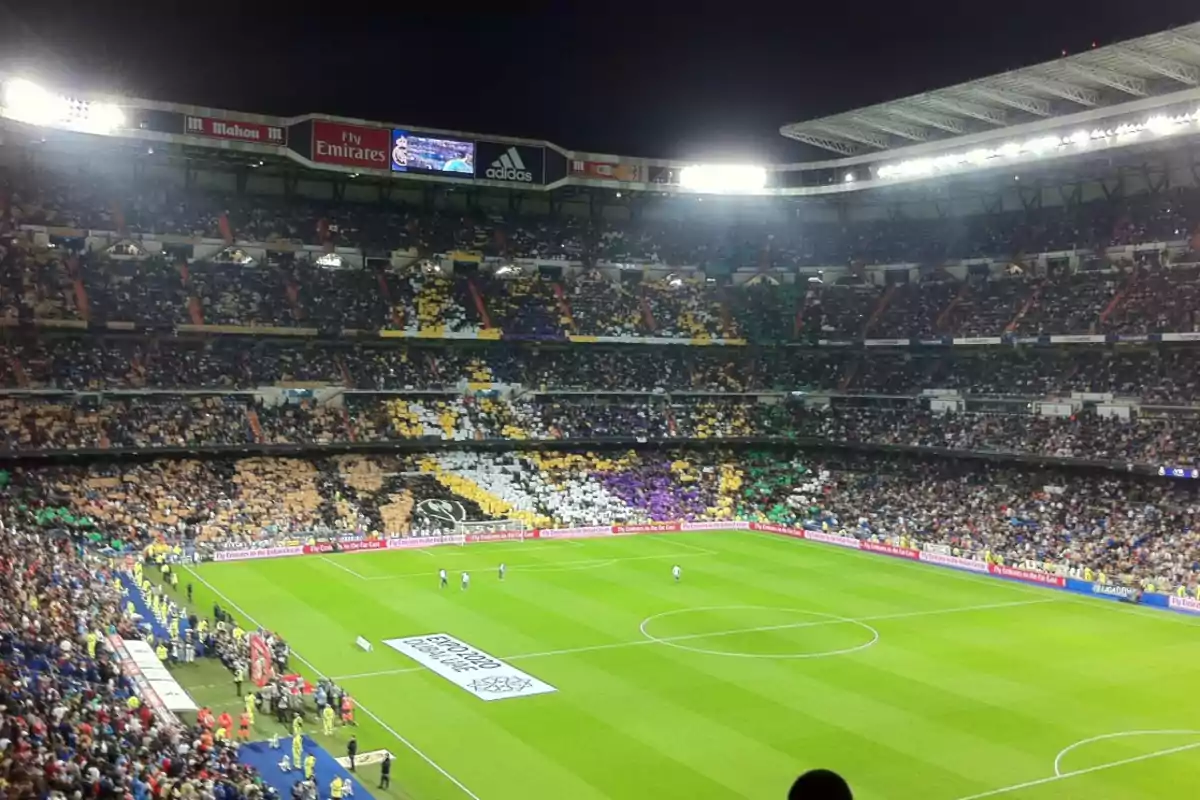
(1188, 604)
(704, 526)
(770, 527)
(575, 533)
(235, 130)
(1043, 578)
(352, 546)
(350, 145)
(1108, 590)
(501, 536)
(829, 538)
(258, 552)
(891, 550)
(653, 527)
(606, 171)
(511, 163)
(969, 564)
(414, 542)
(469, 668)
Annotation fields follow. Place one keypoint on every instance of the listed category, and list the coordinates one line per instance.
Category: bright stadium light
(25, 101)
(1158, 125)
(723, 178)
(104, 118)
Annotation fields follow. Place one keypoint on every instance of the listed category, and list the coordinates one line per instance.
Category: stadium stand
(73, 719)
(510, 361)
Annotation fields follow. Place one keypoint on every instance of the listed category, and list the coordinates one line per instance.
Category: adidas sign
(509, 167)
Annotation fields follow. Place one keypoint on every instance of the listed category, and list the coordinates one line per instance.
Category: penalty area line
(421, 754)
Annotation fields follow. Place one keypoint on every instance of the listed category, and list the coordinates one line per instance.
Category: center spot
(759, 632)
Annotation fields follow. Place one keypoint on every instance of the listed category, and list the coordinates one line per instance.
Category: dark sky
(689, 79)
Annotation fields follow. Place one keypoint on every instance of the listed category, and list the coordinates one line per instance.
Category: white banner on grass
(157, 677)
(467, 667)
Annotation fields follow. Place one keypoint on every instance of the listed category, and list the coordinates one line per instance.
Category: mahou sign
(238, 131)
(350, 145)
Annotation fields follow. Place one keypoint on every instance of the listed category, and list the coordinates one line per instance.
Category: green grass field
(772, 656)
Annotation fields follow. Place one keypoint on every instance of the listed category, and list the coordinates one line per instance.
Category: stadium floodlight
(26, 101)
(103, 118)
(1158, 125)
(723, 178)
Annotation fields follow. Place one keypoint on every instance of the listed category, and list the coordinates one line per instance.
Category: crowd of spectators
(748, 233)
(164, 290)
(130, 423)
(1125, 529)
(48, 287)
(1155, 375)
(1122, 528)
(72, 723)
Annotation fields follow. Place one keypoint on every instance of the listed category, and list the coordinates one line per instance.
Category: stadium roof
(1151, 66)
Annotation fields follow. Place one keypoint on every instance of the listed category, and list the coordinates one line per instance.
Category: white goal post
(489, 526)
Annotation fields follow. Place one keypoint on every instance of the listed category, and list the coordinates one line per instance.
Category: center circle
(734, 623)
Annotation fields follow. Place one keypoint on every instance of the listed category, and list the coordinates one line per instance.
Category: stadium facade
(1067, 131)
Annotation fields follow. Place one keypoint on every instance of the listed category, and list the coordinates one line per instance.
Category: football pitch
(770, 657)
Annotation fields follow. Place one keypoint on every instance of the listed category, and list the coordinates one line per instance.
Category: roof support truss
(1129, 84)
(992, 116)
(826, 142)
(904, 131)
(1067, 91)
(1185, 43)
(1022, 102)
(856, 134)
(928, 118)
(1168, 67)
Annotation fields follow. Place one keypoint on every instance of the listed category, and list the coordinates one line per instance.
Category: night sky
(690, 79)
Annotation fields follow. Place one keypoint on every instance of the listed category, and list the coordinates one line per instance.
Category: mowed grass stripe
(943, 706)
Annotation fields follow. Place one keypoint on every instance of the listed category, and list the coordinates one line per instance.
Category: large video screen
(413, 152)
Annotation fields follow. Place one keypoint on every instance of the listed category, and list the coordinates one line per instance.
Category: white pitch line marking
(759, 629)
(1118, 735)
(983, 579)
(1086, 771)
(441, 770)
(344, 568)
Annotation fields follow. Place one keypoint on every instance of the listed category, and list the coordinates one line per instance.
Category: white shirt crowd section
(432, 303)
(572, 501)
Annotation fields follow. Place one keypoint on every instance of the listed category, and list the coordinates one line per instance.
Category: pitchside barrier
(936, 557)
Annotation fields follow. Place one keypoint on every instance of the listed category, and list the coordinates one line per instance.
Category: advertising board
(235, 130)
(346, 145)
(511, 163)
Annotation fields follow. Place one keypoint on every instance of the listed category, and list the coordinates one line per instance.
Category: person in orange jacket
(347, 710)
(205, 717)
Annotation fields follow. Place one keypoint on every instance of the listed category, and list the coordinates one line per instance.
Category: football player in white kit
(466, 580)
(676, 573)
(442, 578)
